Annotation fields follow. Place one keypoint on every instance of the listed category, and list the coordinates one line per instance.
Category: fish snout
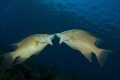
(58, 35)
(52, 36)
(50, 39)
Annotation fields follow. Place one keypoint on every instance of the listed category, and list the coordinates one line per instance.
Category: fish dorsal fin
(90, 36)
(87, 32)
(98, 41)
(35, 42)
(14, 45)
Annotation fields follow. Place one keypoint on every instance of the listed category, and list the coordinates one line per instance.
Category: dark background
(21, 18)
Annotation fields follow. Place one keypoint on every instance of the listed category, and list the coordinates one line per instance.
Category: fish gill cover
(21, 18)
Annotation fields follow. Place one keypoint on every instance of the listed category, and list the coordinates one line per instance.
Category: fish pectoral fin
(35, 42)
(88, 56)
(19, 60)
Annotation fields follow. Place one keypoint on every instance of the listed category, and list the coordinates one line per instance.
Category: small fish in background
(31, 45)
(84, 42)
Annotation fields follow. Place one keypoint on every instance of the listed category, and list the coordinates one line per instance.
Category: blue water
(21, 18)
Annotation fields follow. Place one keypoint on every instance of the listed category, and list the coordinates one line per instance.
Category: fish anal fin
(19, 60)
(88, 56)
(89, 33)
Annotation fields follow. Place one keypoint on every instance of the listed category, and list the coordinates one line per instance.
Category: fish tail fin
(9, 58)
(101, 55)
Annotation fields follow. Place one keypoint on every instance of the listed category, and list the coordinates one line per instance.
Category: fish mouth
(51, 38)
(58, 35)
(61, 38)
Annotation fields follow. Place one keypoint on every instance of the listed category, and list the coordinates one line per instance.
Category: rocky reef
(33, 70)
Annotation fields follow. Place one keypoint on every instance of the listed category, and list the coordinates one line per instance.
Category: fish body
(31, 45)
(84, 42)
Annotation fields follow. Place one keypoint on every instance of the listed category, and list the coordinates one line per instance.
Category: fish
(84, 42)
(31, 45)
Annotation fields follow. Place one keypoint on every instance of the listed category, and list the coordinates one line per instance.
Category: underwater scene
(59, 39)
